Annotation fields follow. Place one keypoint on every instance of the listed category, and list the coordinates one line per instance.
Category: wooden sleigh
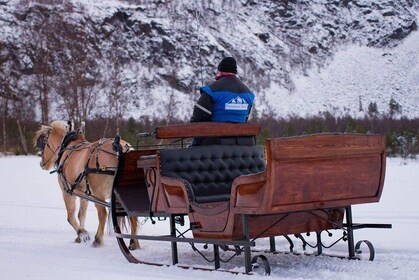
(236, 192)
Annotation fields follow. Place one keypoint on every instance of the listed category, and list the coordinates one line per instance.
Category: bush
(402, 135)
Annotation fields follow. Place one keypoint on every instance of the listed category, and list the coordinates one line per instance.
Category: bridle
(47, 145)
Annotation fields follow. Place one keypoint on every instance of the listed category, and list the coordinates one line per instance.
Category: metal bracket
(265, 262)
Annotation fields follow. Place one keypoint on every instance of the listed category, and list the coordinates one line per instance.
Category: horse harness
(59, 164)
(42, 143)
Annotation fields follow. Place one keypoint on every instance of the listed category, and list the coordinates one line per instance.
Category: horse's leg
(101, 212)
(133, 243)
(70, 205)
(83, 234)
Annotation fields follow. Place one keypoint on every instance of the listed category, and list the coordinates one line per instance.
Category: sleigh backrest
(210, 170)
(325, 170)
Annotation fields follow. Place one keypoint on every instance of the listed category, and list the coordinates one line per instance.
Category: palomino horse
(84, 169)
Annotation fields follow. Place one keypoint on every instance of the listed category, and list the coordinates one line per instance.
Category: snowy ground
(37, 243)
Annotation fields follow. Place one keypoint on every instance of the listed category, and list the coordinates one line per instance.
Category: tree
(39, 46)
(120, 91)
(4, 111)
(372, 108)
(78, 79)
(9, 88)
(22, 113)
(171, 107)
(394, 107)
(131, 131)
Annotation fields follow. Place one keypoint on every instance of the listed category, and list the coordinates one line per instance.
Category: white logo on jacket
(237, 103)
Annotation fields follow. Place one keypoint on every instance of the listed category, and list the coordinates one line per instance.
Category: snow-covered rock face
(170, 48)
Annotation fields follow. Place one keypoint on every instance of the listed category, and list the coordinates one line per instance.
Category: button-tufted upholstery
(210, 170)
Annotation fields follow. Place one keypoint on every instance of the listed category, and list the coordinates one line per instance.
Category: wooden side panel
(130, 172)
(248, 193)
(289, 223)
(211, 220)
(325, 171)
(174, 194)
(131, 188)
(326, 145)
(324, 180)
(206, 129)
(265, 225)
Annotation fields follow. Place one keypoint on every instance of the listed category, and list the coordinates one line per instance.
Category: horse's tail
(124, 223)
(121, 221)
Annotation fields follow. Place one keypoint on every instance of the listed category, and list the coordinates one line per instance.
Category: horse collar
(70, 136)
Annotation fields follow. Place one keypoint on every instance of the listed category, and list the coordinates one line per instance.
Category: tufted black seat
(208, 171)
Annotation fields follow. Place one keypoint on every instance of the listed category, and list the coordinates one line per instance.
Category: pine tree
(372, 108)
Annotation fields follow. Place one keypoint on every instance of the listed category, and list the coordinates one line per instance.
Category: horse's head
(48, 140)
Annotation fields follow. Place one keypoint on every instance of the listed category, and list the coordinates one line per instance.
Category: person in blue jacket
(227, 99)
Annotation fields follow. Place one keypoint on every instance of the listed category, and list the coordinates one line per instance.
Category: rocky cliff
(161, 51)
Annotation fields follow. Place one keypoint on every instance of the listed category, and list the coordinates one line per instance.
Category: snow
(36, 241)
(372, 74)
(294, 81)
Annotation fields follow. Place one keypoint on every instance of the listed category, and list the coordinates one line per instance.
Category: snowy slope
(356, 73)
(300, 57)
(37, 243)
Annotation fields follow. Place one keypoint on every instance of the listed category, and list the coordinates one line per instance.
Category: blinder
(40, 143)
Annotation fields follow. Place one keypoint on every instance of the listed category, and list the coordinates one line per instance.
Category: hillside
(148, 58)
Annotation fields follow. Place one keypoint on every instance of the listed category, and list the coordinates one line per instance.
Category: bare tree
(22, 113)
(171, 107)
(39, 47)
(79, 74)
(7, 73)
(17, 103)
(4, 113)
(8, 77)
(120, 90)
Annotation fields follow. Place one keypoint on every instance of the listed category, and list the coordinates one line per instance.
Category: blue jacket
(225, 100)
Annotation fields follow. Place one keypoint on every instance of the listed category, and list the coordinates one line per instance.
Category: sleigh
(233, 193)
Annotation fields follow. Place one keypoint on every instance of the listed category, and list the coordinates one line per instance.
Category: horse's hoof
(77, 240)
(83, 236)
(97, 243)
(134, 245)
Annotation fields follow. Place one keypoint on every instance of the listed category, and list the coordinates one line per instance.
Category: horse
(84, 169)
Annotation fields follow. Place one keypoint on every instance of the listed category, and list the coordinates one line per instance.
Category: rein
(46, 144)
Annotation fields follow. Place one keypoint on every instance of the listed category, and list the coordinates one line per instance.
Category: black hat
(228, 64)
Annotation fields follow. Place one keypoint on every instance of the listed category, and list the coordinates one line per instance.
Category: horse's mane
(41, 132)
(61, 127)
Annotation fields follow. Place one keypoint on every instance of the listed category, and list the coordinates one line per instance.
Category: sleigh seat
(208, 172)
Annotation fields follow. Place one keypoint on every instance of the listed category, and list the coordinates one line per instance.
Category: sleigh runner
(236, 192)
